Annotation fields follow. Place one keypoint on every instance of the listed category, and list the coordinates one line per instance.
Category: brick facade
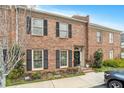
(104, 45)
(83, 36)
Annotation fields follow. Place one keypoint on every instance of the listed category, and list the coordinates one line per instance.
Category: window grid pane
(37, 23)
(37, 31)
(37, 28)
(63, 30)
(63, 58)
(99, 37)
(110, 37)
(111, 54)
(37, 59)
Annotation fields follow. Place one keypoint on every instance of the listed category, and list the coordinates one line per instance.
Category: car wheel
(115, 84)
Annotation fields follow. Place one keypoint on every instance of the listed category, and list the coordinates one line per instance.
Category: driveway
(90, 80)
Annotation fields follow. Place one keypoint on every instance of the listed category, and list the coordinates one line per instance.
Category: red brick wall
(51, 42)
(105, 45)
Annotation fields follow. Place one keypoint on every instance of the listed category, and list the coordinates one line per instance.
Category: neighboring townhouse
(122, 45)
(101, 37)
(105, 38)
(53, 41)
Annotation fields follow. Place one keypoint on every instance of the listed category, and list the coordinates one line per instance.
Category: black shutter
(45, 59)
(70, 58)
(57, 59)
(45, 28)
(4, 55)
(57, 29)
(29, 60)
(70, 31)
(28, 24)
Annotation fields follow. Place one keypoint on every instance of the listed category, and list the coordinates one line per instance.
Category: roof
(54, 14)
(103, 27)
(74, 19)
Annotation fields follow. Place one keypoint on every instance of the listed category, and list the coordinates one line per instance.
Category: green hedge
(114, 63)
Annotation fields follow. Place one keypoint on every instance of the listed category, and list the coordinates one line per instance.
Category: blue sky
(110, 16)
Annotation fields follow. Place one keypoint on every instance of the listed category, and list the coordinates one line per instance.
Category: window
(99, 37)
(122, 55)
(63, 59)
(110, 37)
(37, 27)
(111, 54)
(37, 59)
(122, 45)
(63, 30)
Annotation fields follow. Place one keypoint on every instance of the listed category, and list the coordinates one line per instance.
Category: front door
(76, 58)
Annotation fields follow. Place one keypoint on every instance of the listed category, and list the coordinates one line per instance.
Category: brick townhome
(53, 41)
(106, 38)
(122, 45)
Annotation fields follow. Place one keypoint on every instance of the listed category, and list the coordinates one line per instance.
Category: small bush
(18, 71)
(98, 57)
(36, 75)
(72, 70)
(114, 63)
(110, 63)
(47, 74)
(60, 71)
(121, 63)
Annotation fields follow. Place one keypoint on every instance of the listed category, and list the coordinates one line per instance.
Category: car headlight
(107, 74)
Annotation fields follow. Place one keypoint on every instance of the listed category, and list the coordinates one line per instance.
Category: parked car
(114, 79)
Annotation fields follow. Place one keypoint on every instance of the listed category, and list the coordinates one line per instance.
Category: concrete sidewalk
(85, 81)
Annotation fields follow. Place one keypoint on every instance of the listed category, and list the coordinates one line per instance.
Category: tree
(98, 58)
(14, 55)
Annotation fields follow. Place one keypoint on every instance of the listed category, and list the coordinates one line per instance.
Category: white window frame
(33, 59)
(32, 27)
(111, 37)
(111, 54)
(63, 30)
(60, 59)
(99, 38)
(122, 54)
(122, 45)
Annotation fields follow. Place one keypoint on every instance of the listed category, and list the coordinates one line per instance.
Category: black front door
(76, 58)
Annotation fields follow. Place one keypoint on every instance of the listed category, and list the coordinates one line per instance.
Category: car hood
(119, 71)
(118, 74)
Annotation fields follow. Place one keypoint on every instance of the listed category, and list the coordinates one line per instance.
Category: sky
(111, 16)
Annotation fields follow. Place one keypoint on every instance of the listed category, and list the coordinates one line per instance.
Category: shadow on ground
(100, 86)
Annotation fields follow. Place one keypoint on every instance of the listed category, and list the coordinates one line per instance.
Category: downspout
(16, 7)
(87, 41)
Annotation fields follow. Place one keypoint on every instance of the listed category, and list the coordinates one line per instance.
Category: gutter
(92, 25)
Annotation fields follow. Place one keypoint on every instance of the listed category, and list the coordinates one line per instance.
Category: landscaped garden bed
(44, 75)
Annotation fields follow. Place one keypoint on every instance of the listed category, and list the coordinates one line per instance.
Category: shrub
(36, 75)
(98, 57)
(47, 75)
(72, 70)
(110, 63)
(60, 71)
(18, 71)
(114, 63)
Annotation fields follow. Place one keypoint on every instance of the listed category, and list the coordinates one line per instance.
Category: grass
(21, 81)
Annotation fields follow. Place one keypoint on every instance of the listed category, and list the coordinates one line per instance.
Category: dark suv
(114, 79)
